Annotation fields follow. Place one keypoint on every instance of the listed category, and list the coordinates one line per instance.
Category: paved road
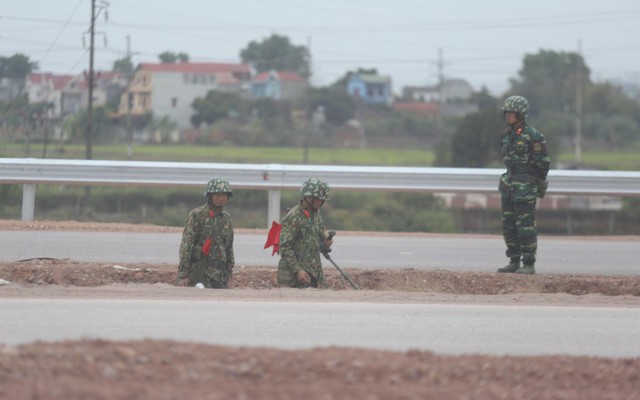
(472, 253)
(447, 329)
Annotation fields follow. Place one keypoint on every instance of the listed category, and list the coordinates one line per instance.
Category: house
(69, 93)
(370, 88)
(47, 88)
(449, 99)
(451, 90)
(278, 85)
(169, 89)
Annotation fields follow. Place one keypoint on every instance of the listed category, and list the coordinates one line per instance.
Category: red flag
(206, 247)
(273, 238)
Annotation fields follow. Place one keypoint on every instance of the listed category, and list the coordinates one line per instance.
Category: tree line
(610, 115)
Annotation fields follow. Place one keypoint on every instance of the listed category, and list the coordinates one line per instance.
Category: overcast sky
(482, 41)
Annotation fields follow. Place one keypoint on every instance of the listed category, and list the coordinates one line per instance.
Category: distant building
(451, 90)
(47, 87)
(278, 85)
(69, 93)
(449, 99)
(370, 88)
(168, 90)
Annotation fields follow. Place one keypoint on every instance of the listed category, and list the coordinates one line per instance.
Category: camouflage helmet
(218, 185)
(316, 188)
(516, 104)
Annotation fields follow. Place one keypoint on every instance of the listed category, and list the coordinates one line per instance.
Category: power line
(60, 32)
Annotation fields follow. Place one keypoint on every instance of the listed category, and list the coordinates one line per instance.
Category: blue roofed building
(370, 88)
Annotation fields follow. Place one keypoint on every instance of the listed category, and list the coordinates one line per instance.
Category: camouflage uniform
(208, 228)
(524, 152)
(302, 234)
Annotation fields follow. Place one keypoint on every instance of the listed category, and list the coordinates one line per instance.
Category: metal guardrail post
(273, 213)
(28, 201)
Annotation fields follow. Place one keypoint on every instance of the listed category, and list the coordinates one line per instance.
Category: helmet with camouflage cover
(218, 185)
(316, 188)
(516, 104)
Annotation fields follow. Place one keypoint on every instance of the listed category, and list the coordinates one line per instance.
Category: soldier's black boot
(512, 267)
(527, 269)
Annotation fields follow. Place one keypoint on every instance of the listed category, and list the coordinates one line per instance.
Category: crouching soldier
(206, 249)
(303, 232)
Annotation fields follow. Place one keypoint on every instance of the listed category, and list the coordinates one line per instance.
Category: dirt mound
(72, 273)
(169, 370)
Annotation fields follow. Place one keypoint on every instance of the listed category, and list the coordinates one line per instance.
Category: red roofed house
(278, 85)
(168, 90)
(47, 87)
(68, 93)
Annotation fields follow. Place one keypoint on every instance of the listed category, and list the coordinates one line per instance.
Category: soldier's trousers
(519, 229)
(210, 276)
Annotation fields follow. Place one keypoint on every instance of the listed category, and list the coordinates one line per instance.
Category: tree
(13, 112)
(123, 66)
(169, 57)
(476, 142)
(101, 124)
(276, 52)
(339, 106)
(215, 106)
(16, 67)
(548, 80)
(161, 129)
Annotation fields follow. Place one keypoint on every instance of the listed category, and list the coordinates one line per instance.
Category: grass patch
(252, 155)
(619, 160)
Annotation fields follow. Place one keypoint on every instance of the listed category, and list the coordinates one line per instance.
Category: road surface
(609, 256)
(445, 329)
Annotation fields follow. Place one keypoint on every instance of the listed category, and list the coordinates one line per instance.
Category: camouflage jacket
(302, 233)
(524, 152)
(200, 226)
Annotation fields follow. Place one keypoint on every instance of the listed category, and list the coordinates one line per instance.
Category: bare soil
(97, 369)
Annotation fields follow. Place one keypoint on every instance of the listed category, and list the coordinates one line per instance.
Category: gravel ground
(93, 369)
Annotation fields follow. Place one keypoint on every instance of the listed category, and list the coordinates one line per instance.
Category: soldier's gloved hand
(303, 277)
(326, 246)
(543, 185)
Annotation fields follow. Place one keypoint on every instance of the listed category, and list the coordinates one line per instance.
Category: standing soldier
(302, 234)
(524, 152)
(206, 250)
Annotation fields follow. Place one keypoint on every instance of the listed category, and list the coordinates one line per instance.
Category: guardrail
(278, 177)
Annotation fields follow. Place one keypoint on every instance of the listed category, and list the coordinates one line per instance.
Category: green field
(282, 155)
(620, 160)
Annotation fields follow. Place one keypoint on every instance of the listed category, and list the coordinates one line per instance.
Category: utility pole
(89, 127)
(91, 78)
(578, 138)
(305, 139)
(91, 84)
(440, 65)
(441, 94)
(129, 104)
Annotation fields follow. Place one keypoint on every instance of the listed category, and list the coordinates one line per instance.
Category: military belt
(518, 177)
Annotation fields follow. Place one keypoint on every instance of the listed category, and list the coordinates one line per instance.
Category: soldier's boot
(527, 269)
(512, 267)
